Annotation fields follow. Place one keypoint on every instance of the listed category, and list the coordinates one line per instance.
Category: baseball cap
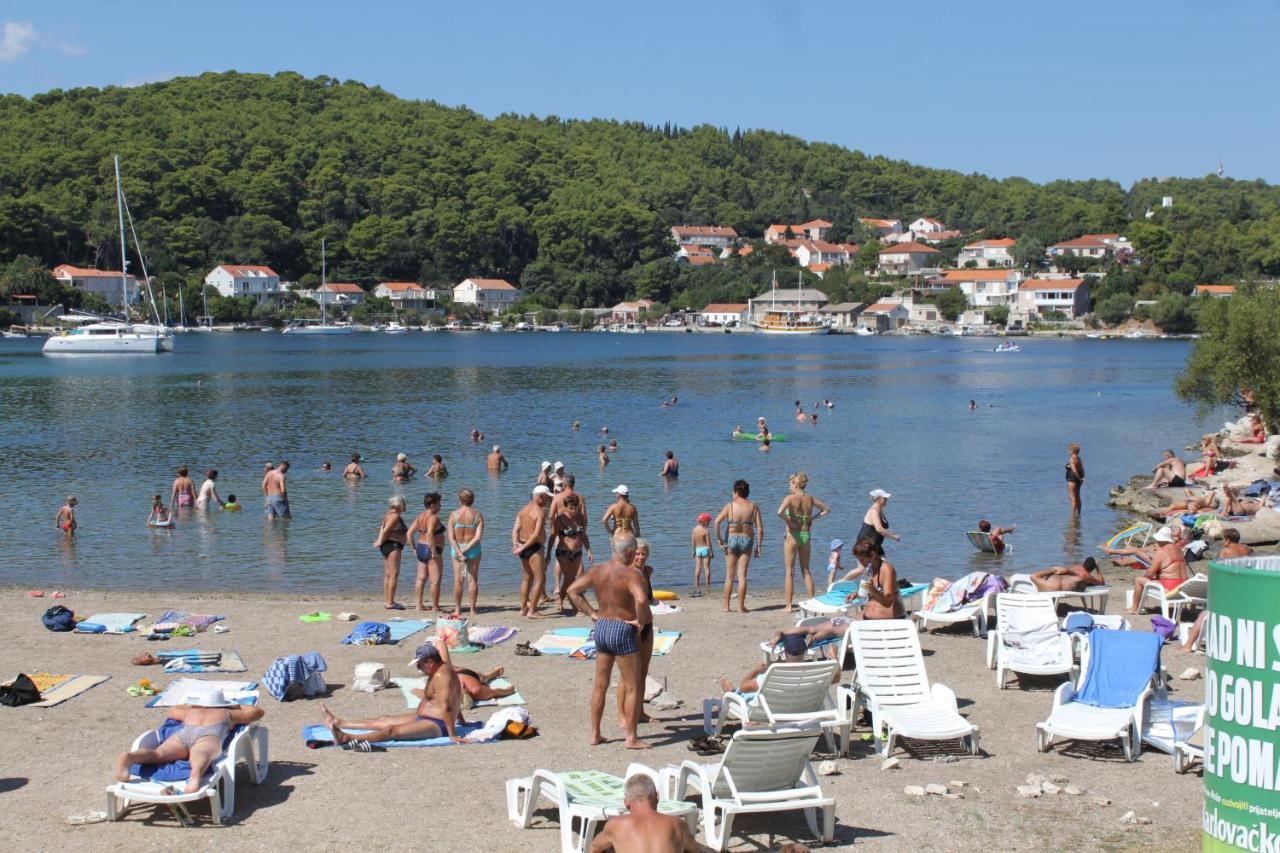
(704, 517)
(621, 490)
(836, 544)
(546, 465)
(794, 644)
(1164, 534)
(559, 466)
(541, 490)
(426, 651)
(876, 494)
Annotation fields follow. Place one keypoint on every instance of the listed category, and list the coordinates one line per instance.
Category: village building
(881, 317)
(814, 252)
(1215, 291)
(843, 315)
(408, 295)
(984, 288)
(800, 300)
(105, 284)
(814, 229)
(629, 312)
(723, 314)
(905, 258)
(1040, 296)
(236, 280)
(492, 295)
(883, 227)
(343, 294)
(985, 254)
(718, 236)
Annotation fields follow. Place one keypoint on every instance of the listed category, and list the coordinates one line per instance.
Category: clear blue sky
(1120, 90)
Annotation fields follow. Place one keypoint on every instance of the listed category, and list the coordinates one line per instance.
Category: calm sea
(113, 429)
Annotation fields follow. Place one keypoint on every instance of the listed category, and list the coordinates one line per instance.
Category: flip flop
(526, 650)
(359, 746)
(35, 593)
(318, 616)
(86, 818)
(393, 606)
(56, 594)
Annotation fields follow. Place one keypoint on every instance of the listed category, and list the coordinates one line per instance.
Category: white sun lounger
(1028, 638)
(763, 770)
(892, 684)
(788, 693)
(1092, 598)
(585, 799)
(772, 653)
(975, 612)
(248, 745)
(1191, 750)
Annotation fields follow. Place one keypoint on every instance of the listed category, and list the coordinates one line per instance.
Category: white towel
(494, 725)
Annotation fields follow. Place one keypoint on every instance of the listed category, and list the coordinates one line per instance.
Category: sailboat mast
(124, 257)
(324, 317)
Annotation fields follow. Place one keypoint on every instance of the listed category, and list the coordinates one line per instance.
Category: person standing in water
(66, 517)
(353, 471)
(209, 491)
(603, 456)
(437, 471)
(426, 534)
(390, 542)
(874, 524)
(671, 468)
(464, 530)
(798, 511)
(401, 471)
(1075, 476)
(275, 492)
(528, 541)
(622, 515)
(744, 535)
(495, 461)
(183, 492)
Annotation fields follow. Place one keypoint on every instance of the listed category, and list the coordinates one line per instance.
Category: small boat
(394, 328)
(863, 331)
(1136, 335)
(1006, 346)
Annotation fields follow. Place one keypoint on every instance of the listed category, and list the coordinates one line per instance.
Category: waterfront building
(102, 283)
(492, 295)
(252, 280)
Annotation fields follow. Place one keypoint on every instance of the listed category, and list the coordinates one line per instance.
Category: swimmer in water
(973, 405)
(327, 466)
(577, 425)
(159, 516)
(613, 445)
(671, 467)
(437, 470)
(801, 417)
(477, 436)
(603, 456)
(765, 443)
(66, 517)
(353, 471)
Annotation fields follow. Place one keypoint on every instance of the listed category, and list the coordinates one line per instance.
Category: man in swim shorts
(529, 543)
(1171, 472)
(1069, 578)
(275, 493)
(66, 518)
(622, 515)
(438, 713)
(622, 612)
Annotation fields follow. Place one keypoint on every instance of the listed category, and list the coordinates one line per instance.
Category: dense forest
(257, 169)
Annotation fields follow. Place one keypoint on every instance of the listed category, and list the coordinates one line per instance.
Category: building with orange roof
(985, 288)
(408, 295)
(1215, 291)
(988, 253)
(490, 294)
(253, 280)
(105, 284)
(814, 229)
(905, 258)
(704, 235)
(723, 314)
(883, 227)
(1040, 296)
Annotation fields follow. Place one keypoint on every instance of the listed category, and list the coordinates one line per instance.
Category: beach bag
(369, 634)
(517, 730)
(371, 677)
(22, 691)
(1162, 627)
(452, 632)
(58, 618)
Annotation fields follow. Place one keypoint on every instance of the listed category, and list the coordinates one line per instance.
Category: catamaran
(784, 319)
(112, 336)
(324, 327)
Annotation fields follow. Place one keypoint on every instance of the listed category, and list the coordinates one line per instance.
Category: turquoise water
(113, 429)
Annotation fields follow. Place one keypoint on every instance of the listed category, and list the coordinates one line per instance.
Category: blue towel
(572, 632)
(174, 771)
(316, 737)
(1121, 664)
(1078, 622)
(379, 632)
(407, 628)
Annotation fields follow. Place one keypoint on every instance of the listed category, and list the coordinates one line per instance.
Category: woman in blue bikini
(465, 530)
(427, 535)
(743, 528)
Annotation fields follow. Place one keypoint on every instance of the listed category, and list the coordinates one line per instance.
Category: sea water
(112, 430)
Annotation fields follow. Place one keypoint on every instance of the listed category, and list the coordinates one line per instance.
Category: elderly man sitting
(644, 828)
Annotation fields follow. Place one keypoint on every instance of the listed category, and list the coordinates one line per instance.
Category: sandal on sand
(56, 594)
(526, 650)
(86, 818)
(35, 593)
(145, 660)
(358, 746)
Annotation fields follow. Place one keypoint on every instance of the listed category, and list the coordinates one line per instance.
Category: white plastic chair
(892, 684)
(1193, 592)
(1017, 613)
(584, 799)
(1188, 752)
(248, 745)
(763, 770)
(788, 693)
(975, 612)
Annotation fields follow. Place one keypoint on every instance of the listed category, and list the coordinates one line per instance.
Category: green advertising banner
(1242, 706)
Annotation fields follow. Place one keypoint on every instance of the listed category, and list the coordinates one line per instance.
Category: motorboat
(1006, 346)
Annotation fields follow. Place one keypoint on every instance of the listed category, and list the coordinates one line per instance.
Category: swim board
(751, 436)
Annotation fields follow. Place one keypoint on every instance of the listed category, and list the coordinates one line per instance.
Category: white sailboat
(324, 327)
(781, 319)
(111, 336)
(158, 326)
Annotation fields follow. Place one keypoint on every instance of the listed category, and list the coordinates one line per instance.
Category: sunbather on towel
(643, 828)
(1191, 505)
(1233, 505)
(793, 649)
(476, 685)
(438, 714)
(1069, 578)
(206, 716)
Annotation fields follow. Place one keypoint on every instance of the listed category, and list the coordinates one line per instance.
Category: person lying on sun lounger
(643, 828)
(207, 716)
(438, 714)
(1069, 578)
(793, 649)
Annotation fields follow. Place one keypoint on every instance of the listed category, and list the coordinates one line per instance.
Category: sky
(1042, 90)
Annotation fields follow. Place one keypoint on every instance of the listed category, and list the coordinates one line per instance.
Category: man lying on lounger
(1069, 578)
(793, 649)
(643, 828)
(207, 716)
(438, 713)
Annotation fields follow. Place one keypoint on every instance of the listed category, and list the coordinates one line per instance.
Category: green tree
(951, 303)
(1239, 348)
(1114, 309)
(998, 315)
(1173, 313)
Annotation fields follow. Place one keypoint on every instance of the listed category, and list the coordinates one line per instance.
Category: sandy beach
(58, 759)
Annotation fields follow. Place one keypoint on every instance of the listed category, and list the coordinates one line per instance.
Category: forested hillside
(250, 168)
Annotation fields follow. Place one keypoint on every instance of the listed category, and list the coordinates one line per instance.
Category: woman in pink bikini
(183, 492)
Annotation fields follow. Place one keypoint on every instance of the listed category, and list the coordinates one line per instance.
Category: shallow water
(113, 429)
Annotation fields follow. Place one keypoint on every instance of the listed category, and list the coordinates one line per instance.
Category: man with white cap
(622, 515)
(438, 713)
(1168, 566)
(529, 542)
(874, 524)
(495, 461)
(207, 716)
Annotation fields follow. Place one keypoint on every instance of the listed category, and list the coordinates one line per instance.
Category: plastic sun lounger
(1014, 610)
(975, 612)
(788, 693)
(831, 603)
(585, 799)
(892, 684)
(1092, 598)
(982, 541)
(1188, 752)
(1193, 592)
(248, 745)
(763, 770)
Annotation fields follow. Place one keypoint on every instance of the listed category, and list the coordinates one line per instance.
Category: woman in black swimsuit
(1075, 477)
(392, 536)
(874, 525)
(427, 535)
(568, 540)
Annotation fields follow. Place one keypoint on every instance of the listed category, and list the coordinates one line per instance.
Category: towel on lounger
(1121, 664)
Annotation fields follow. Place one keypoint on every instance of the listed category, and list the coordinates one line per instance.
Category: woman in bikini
(1075, 477)
(798, 512)
(353, 471)
(1209, 454)
(743, 528)
(183, 492)
(401, 471)
(427, 536)
(437, 469)
(568, 540)
(603, 456)
(390, 542)
(880, 584)
(465, 529)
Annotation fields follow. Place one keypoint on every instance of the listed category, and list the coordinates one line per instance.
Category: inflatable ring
(664, 595)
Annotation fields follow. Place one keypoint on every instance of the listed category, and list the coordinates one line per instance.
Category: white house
(814, 229)
(884, 317)
(883, 227)
(101, 283)
(408, 295)
(844, 315)
(988, 253)
(905, 258)
(812, 252)
(925, 225)
(696, 254)
(1039, 296)
(259, 282)
(629, 312)
(490, 294)
(344, 294)
(724, 314)
(1215, 291)
(985, 288)
(704, 235)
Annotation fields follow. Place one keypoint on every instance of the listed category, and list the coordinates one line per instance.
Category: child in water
(66, 519)
(231, 505)
(700, 540)
(159, 516)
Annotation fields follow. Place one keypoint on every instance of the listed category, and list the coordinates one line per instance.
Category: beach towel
(1034, 637)
(295, 676)
(368, 634)
(662, 608)
(406, 628)
(111, 623)
(958, 592)
(493, 635)
(605, 791)
(174, 771)
(317, 737)
(194, 660)
(1121, 664)
(45, 681)
(69, 689)
(408, 685)
(243, 692)
(173, 618)
(553, 644)
(664, 642)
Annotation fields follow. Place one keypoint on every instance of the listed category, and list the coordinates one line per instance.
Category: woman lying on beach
(1232, 505)
(1191, 505)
